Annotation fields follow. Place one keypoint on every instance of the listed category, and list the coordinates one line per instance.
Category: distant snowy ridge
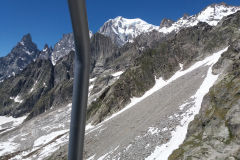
(122, 30)
(211, 15)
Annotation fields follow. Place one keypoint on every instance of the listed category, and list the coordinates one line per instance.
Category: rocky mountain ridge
(24, 53)
(122, 30)
(43, 85)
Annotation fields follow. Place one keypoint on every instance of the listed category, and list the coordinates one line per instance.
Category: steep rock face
(37, 88)
(61, 92)
(20, 56)
(20, 93)
(64, 46)
(103, 53)
(131, 51)
(186, 47)
(214, 133)
(64, 68)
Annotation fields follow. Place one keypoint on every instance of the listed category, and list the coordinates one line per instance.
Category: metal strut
(81, 78)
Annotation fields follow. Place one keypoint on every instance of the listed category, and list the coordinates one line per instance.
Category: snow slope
(178, 135)
(8, 123)
(160, 83)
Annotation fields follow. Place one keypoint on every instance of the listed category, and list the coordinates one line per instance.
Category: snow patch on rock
(117, 74)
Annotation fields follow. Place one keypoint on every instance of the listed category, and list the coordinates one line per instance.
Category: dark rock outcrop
(166, 23)
(46, 52)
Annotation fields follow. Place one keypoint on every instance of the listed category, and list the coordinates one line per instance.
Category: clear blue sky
(47, 20)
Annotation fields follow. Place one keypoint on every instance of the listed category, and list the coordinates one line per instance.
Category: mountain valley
(155, 92)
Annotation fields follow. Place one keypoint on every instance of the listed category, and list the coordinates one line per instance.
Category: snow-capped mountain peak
(122, 30)
(214, 13)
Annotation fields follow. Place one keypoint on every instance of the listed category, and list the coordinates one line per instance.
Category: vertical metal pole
(81, 78)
